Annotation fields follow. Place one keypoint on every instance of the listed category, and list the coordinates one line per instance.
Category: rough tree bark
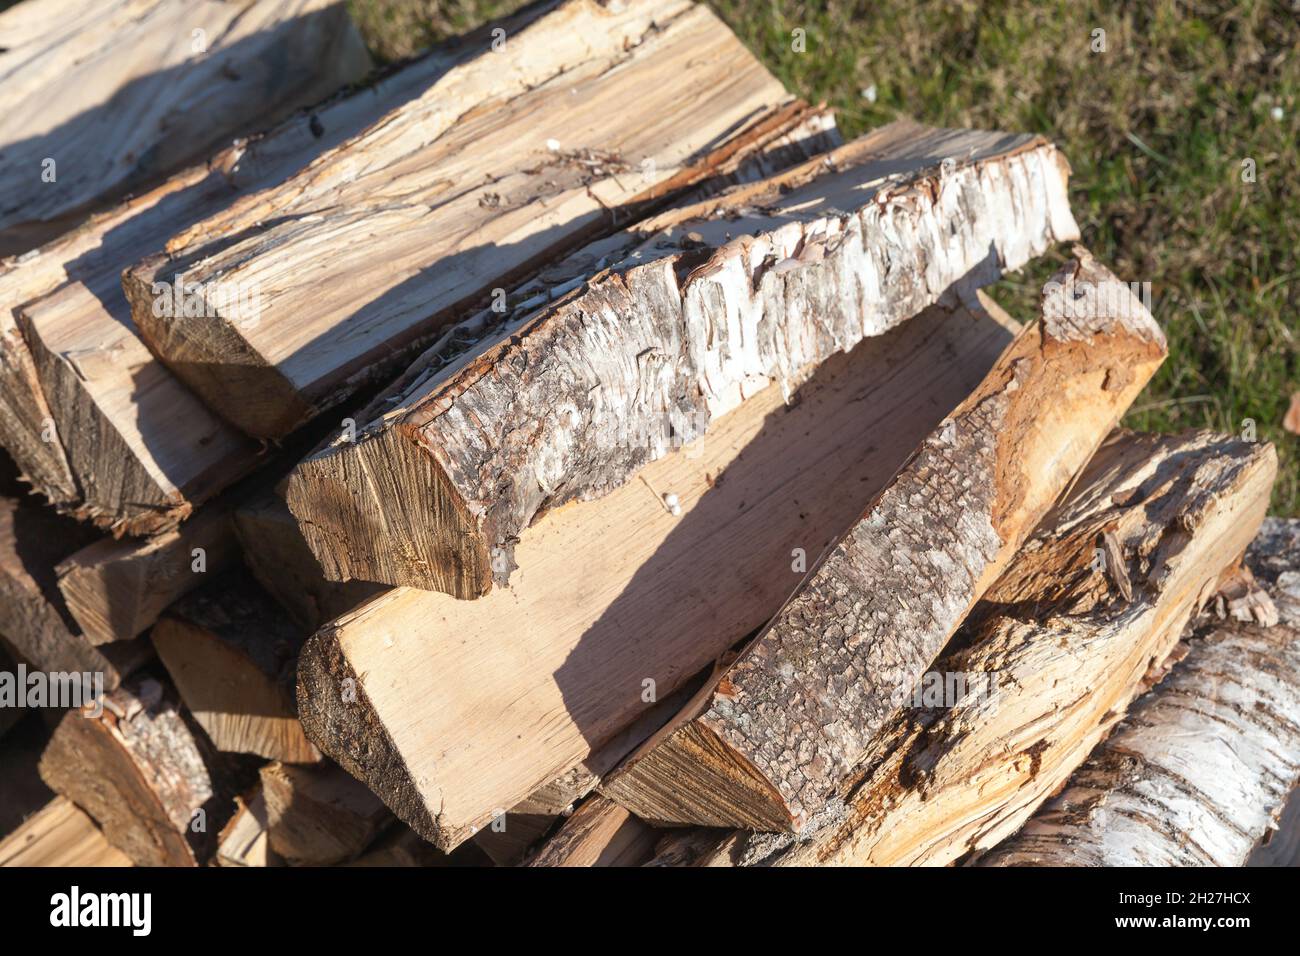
(1056, 656)
(117, 93)
(698, 309)
(769, 741)
(145, 775)
(233, 654)
(1201, 768)
(464, 190)
(452, 710)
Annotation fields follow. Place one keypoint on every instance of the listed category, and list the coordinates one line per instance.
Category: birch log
(1201, 768)
(452, 709)
(103, 96)
(287, 305)
(1001, 721)
(233, 653)
(769, 741)
(142, 772)
(33, 616)
(705, 306)
(120, 441)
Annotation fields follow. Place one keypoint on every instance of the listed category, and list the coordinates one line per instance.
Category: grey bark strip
(1201, 769)
(671, 326)
(770, 742)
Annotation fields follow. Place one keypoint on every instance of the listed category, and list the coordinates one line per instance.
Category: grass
(1156, 127)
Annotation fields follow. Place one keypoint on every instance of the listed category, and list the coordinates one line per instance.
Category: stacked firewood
(564, 449)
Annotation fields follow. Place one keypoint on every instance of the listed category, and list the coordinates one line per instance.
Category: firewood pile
(563, 449)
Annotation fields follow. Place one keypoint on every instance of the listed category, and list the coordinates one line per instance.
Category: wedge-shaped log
(115, 589)
(233, 653)
(96, 423)
(59, 835)
(1000, 722)
(142, 771)
(33, 616)
(291, 302)
(600, 833)
(245, 839)
(768, 742)
(103, 96)
(417, 693)
(702, 307)
(318, 816)
(1201, 768)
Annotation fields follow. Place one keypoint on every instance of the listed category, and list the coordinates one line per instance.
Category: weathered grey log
(232, 653)
(395, 690)
(1202, 767)
(140, 769)
(696, 310)
(104, 96)
(467, 189)
(768, 742)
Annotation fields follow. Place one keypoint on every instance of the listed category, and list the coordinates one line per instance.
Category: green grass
(1156, 128)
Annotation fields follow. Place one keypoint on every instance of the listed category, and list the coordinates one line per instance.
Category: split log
(448, 721)
(1203, 765)
(104, 96)
(121, 441)
(400, 846)
(33, 616)
(695, 846)
(700, 308)
(116, 589)
(9, 716)
(600, 833)
(232, 653)
(508, 838)
(59, 835)
(1001, 721)
(145, 774)
(318, 816)
(245, 839)
(466, 189)
(770, 740)
(277, 555)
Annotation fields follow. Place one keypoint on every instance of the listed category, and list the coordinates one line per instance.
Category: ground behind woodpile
(1156, 127)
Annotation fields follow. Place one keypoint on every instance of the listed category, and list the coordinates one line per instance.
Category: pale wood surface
(494, 169)
(600, 833)
(684, 317)
(232, 653)
(59, 835)
(462, 707)
(771, 739)
(318, 816)
(122, 92)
